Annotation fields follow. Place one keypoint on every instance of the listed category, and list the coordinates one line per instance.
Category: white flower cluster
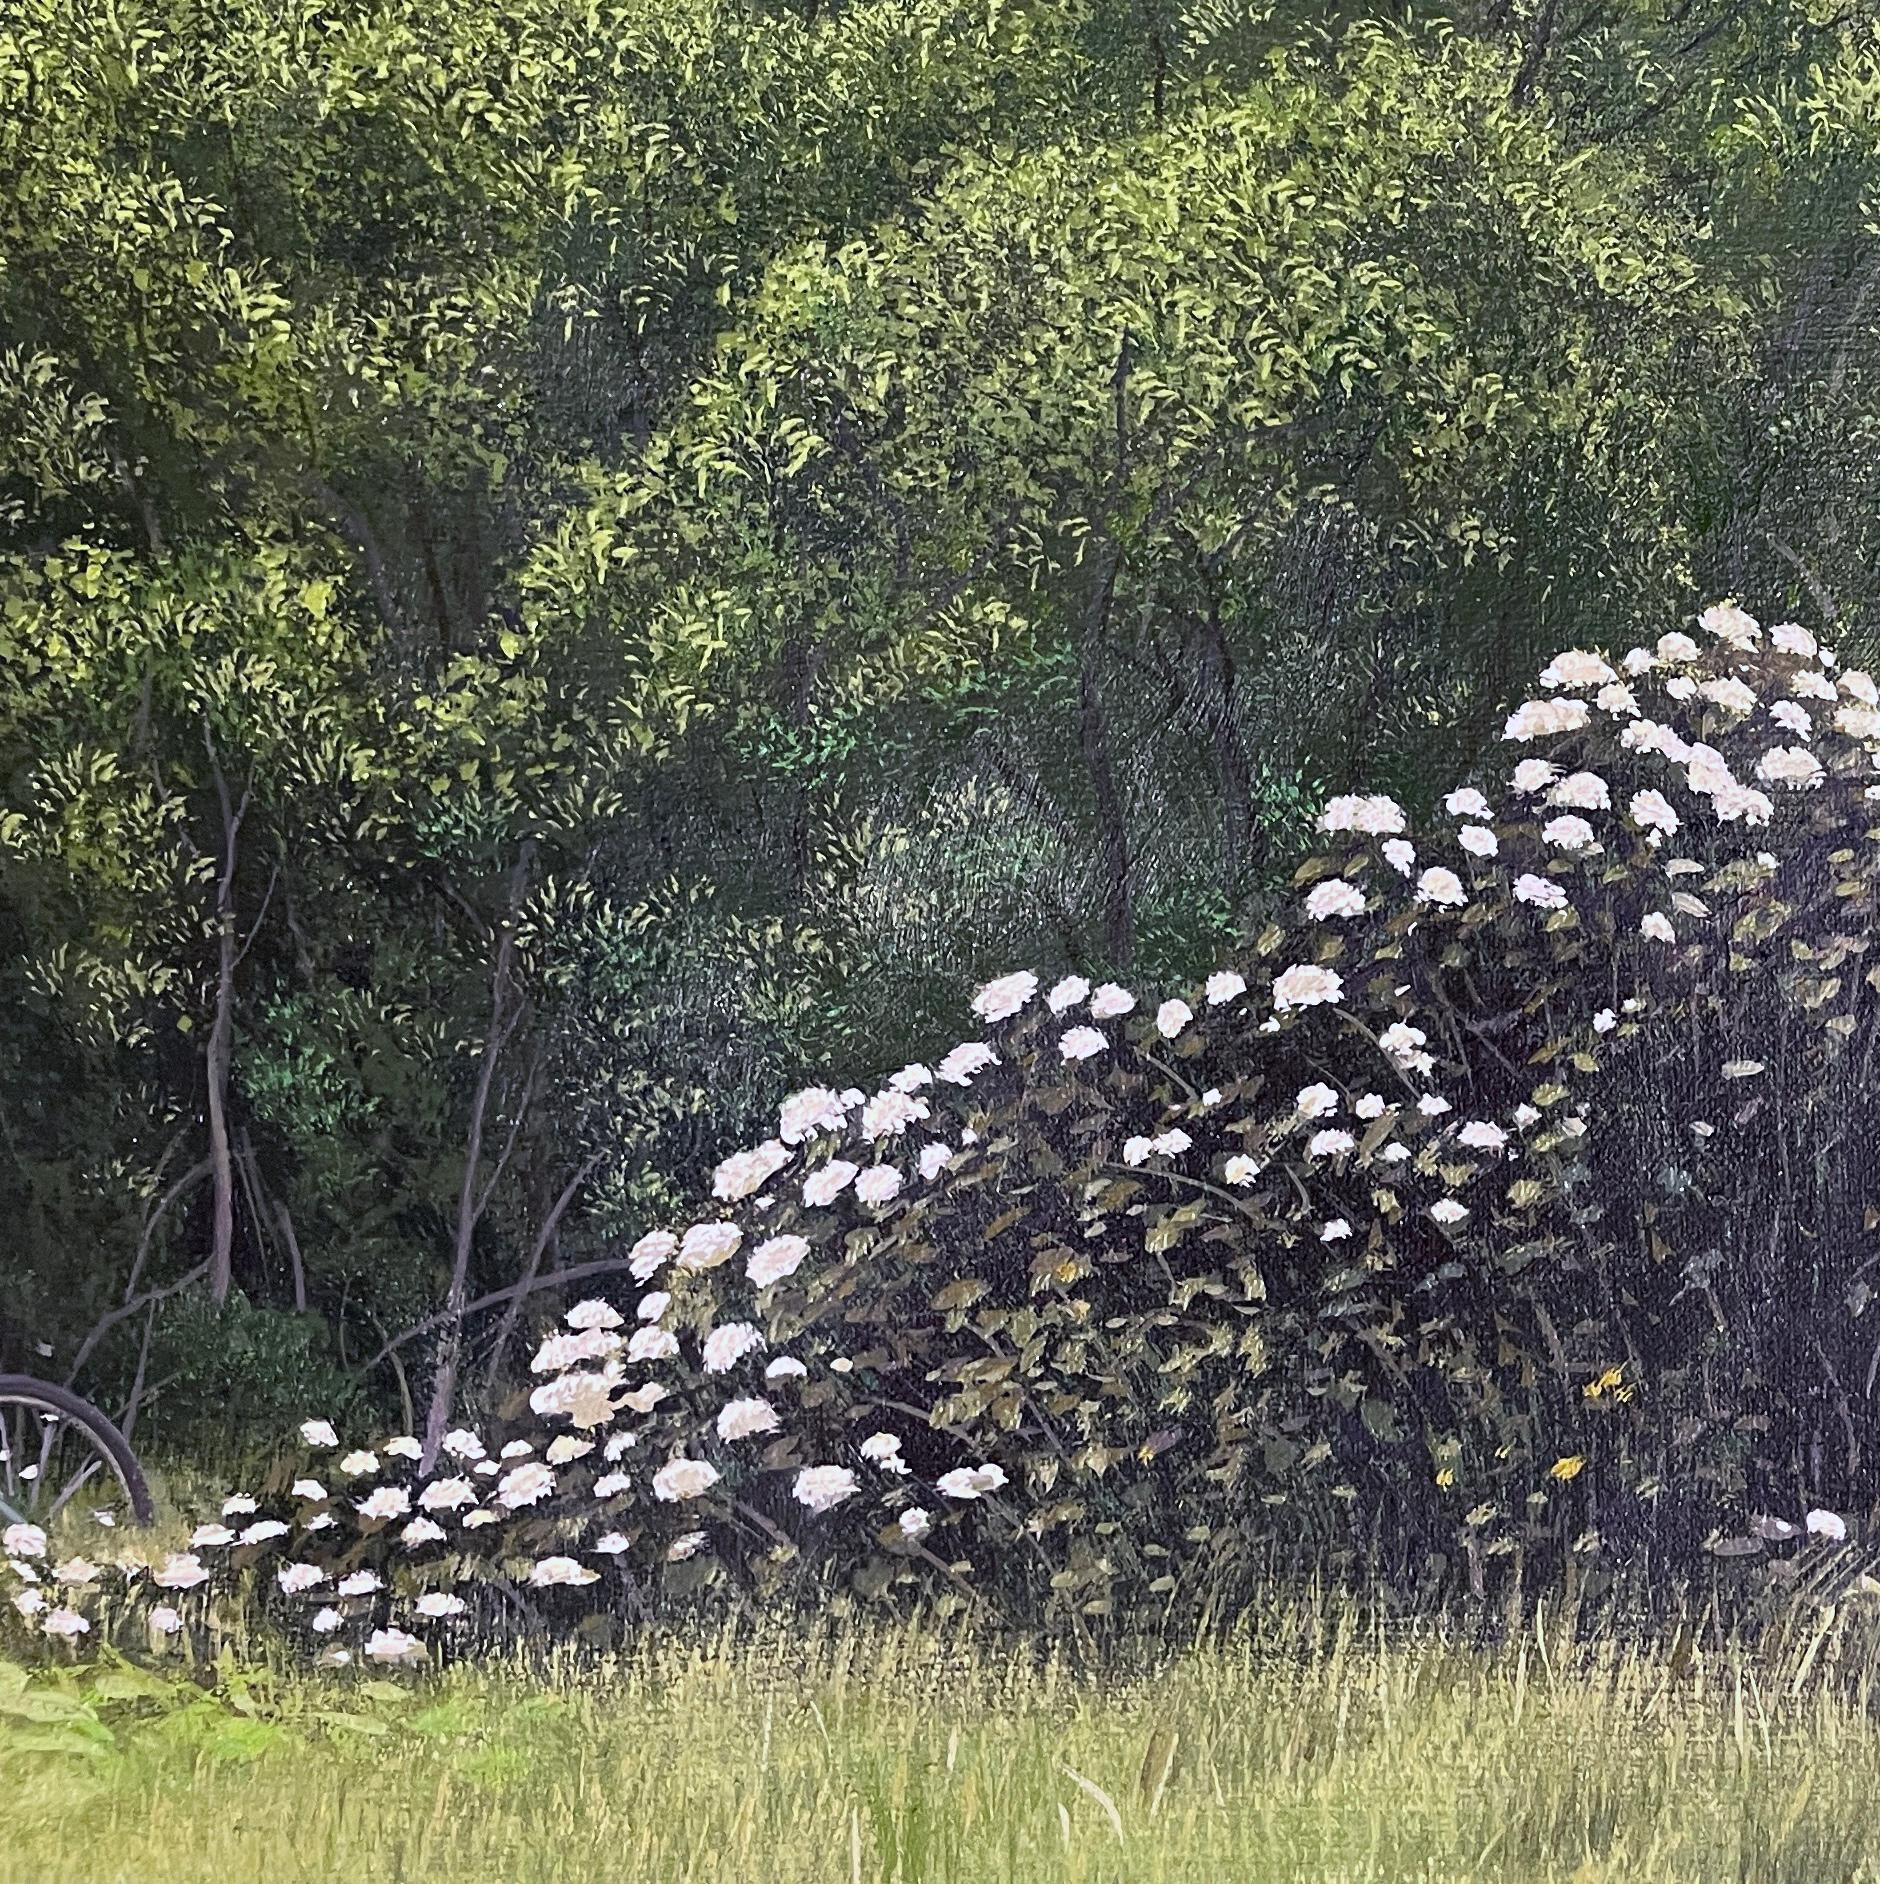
(688, 1373)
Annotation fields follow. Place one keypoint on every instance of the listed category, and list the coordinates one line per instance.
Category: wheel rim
(53, 1467)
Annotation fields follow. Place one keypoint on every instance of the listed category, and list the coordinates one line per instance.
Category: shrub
(1510, 1200)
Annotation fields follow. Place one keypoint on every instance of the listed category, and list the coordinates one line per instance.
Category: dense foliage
(1506, 1200)
(562, 567)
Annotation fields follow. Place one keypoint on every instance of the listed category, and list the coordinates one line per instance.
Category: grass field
(1313, 1748)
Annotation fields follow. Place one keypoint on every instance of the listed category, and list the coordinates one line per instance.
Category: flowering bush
(1511, 1196)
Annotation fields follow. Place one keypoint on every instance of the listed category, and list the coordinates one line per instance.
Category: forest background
(566, 570)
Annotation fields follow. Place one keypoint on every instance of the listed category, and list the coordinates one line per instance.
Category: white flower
(890, 1113)
(773, 1260)
(308, 1488)
(653, 1249)
(1568, 833)
(1334, 899)
(689, 1545)
(1605, 1021)
(165, 1620)
(1751, 806)
(884, 1450)
(784, 1367)
(1681, 687)
(1526, 1115)
(1581, 791)
(1400, 854)
(820, 1488)
(1482, 1135)
(592, 1314)
(1441, 886)
(1170, 1144)
(294, 1578)
(706, 1245)
(1307, 985)
(67, 1623)
(1335, 1231)
(447, 1494)
(878, 1184)
(1616, 699)
(317, 1433)
(262, 1531)
(1241, 1170)
(1729, 693)
(210, 1536)
(1741, 1069)
(1080, 1043)
(561, 1573)
(524, 1485)
(1448, 1210)
(611, 1485)
(1792, 716)
(1067, 993)
(912, 1078)
(1576, 669)
(421, 1531)
(1224, 985)
(1111, 1002)
(746, 1172)
(463, 1444)
(1540, 891)
(823, 1187)
(1656, 927)
(403, 1447)
(238, 1506)
(1808, 685)
(1330, 1143)
(1478, 840)
(998, 1000)
(1533, 775)
(1794, 766)
(1790, 638)
(804, 1114)
(1212, 1097)
(964, 1061)
(559, 1352)
(75, 1573)
(436, 1605)
(1653, 811)
(1317, 1101)
(1138, 1150)
(745, 1419)
(970, 1481)
(1375, 816)
(23, 1540)
(182, 1570)
(1433, 1105)
(1370, 1105)
(359, 1464)
(1402, 1042)
(325, 1621)
(653, 1304)
(1858, 722)
(725, 1346)
(393, 1645)
(1467, 803)
(1730, 624)
(1649, 736)
(566, 1449)
(1826, 1524)
(29, 1603)
(614, 1544)
(1171, 1017)
(1536, 719)
(915, 1522)
(1638, 661)
(680, 1479)
(934, 1158)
